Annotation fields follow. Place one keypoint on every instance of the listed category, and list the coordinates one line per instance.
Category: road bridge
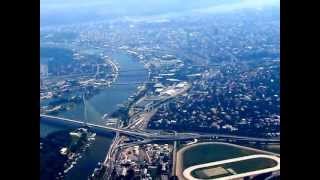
(94, 126)
(126, 83)
(155, 136)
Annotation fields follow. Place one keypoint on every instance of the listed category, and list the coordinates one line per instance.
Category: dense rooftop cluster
(145, 162)
(240, 98)
(230, 60)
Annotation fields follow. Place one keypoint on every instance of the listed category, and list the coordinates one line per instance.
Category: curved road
(187, 172)
(179, 159)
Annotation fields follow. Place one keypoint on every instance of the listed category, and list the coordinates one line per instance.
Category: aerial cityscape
(175, 89)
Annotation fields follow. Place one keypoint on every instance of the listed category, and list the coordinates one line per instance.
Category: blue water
(105, 101)
(46, 129)
(85, 165)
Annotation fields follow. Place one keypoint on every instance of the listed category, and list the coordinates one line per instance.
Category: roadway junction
(143, 136)
(156, 135)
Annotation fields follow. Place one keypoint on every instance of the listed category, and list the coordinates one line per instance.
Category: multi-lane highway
(155, 135)
(147, 135)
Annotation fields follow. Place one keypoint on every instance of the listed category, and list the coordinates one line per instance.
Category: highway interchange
(137, 130)
(156, 135)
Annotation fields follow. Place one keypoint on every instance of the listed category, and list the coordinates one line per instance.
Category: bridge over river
(152, 135)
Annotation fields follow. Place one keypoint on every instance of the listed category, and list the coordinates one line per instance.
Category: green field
(237, 167)
(206, 153)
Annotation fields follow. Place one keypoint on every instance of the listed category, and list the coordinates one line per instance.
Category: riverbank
(60, 151)
(109, 99)
(106, 101)
(89, 159)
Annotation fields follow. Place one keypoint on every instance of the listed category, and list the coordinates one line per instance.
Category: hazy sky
(84, 10)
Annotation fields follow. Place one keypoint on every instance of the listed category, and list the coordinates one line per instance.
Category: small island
(60, 150)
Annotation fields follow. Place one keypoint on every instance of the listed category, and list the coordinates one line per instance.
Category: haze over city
(162, 89)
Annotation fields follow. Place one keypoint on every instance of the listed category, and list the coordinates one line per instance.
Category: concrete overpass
(94, 126)
(154, 136)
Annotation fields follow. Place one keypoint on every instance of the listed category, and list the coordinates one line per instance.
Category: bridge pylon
(85, 114)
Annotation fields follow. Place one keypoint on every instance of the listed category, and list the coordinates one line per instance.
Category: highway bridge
(93, 126)
(156, 135)
(138, 82)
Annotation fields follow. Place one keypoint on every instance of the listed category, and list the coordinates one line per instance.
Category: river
(106, 101)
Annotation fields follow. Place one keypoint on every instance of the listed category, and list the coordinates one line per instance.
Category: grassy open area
(233, 168)
(206, 153)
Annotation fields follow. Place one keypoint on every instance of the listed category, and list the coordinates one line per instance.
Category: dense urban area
(208, 75)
